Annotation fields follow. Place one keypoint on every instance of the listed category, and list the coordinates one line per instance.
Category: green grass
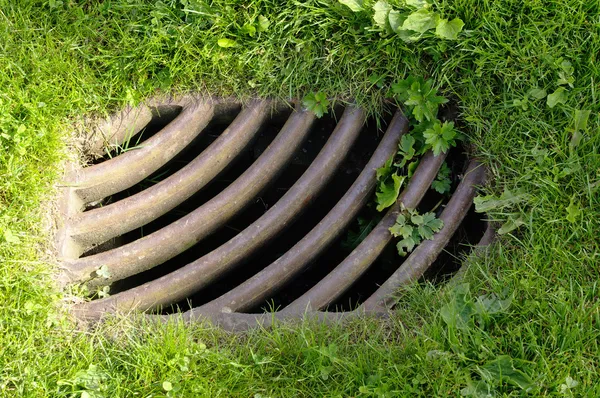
(62, 60)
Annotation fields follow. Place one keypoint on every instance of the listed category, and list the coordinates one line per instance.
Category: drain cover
(195, 204)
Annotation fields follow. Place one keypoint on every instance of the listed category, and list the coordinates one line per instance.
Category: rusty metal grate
(106, 202)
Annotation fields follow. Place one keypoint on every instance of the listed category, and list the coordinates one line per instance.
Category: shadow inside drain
(468, 234)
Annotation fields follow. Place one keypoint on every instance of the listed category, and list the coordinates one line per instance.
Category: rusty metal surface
(355, 265)
(83, 230)
(282, 271)
(98, 225)
(177, 237)
(189, 279)
(425, 254)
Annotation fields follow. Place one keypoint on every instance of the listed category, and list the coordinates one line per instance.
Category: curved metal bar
(107, 222)
(280, 272)
(189, 279)
(117, 129)
(179, 236)
(348, 271)
(426, 253)
(124, 171)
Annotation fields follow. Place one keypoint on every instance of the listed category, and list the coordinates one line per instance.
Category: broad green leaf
(382, 10)
(421, 21)
(388, 192)
(418, 3)
(581, 119)
(537, 93)
(449, 29)
(491, 304)
(412, 166)
(396, 19)
(401, 219)
(226, 43)
(557, 97)
(510, 225)
(573, 211)
(167, 385)
(248, 29)
(10, 237)
(457, 312)
(263, 24)
(502, 369)
(354, 5)
(490, 202)
(405, 246)
(386, 170)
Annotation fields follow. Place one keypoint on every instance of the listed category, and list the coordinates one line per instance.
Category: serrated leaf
(263, 24)
(417, 218)
(436, 224)
(421, 21)
(557, 97)
(389, 192)
(316, 103)
(425, 232)
(226, 43)
(405, 246)
(449, 30)
(103, 272)
(399, 230)
(441, 185)
(406, 149)
(491, 304)
(440, 137)
(382, 10)
(354, 5)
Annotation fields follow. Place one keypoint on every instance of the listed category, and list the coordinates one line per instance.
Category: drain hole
(289, 175)
(344, 175)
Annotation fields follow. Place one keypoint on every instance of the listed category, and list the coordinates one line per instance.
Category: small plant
(388, 187)
(442, 182)
(316, 102)
(419, 96)
(413, 228)
(365, 226)
(440, 136)
(412, 23)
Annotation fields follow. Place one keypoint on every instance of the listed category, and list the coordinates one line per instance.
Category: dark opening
(448, 262)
